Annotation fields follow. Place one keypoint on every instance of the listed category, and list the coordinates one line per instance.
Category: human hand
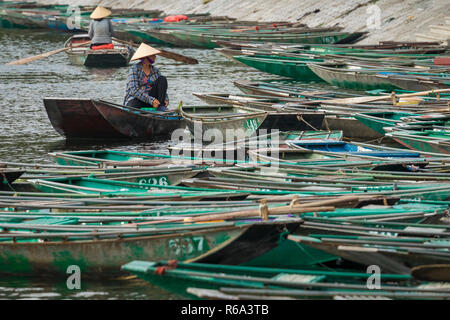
(156, 103)
(166, 103)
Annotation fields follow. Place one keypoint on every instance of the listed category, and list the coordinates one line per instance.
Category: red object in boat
(175, 18)
(442, 61)
(103, 46)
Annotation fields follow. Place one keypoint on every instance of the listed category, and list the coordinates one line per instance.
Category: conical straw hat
(100, 13)
(143, 51)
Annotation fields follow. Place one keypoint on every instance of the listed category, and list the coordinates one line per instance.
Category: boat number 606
(161, 181)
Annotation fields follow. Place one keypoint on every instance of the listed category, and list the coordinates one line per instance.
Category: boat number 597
(183, 246)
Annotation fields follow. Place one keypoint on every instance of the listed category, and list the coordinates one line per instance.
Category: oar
(165, 54)
(44, 55)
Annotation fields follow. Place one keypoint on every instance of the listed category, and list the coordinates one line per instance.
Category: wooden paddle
(44, 55)
(433, 272)
(165, 54)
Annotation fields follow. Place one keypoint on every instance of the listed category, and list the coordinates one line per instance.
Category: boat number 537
(184, 246)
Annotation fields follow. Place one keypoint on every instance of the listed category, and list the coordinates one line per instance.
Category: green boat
(379, 120)
(396, 248)
(205, 40)
(226, 120)
(352, 78)
(176, 277)
(111, 188)
(48, 246)
(105, 158)
(296, 69)
(144, 36)
(159, 175)
(83, 55)
(419, 82)
(436, 141)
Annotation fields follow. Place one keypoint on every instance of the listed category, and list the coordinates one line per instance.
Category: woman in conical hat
(100, 28)
(146, 87)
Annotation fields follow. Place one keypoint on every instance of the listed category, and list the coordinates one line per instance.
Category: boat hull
(105, 257)
(78, 119)
(7, 177)
(136, 125)
(353, 80)
(285, 68)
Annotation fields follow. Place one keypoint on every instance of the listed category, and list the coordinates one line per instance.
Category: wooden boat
(331, 147)
(90, 119)
(102, 187)
(428, 291)
(418, 83)
(104, 58)
(379, 120)
(8, 176)
(229, 121)
(325, 176)
(238, 149)
(282, 119)
(416, 245)
(143, 35)
(76, 118)
(135, 123)
(164, 174)
(296, 69)
(271, 89)
(205, 40)
(352, 78)
(108, 158)
(315, 159)
(436, 141)
(50, 245)
(179, 276)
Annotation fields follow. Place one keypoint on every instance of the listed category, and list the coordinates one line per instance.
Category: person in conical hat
(100, 27)
(146, 87)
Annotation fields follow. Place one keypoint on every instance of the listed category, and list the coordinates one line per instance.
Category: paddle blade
(165, 54)
(433, 272)
(177, 57)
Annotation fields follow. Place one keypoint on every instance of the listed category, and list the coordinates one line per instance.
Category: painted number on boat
(186, 246)
(383, 233)
(162, 181)
(251, 124)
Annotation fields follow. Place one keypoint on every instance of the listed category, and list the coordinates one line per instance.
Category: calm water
(26, 134)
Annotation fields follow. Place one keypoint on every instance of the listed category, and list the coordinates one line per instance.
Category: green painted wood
(283, 67)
